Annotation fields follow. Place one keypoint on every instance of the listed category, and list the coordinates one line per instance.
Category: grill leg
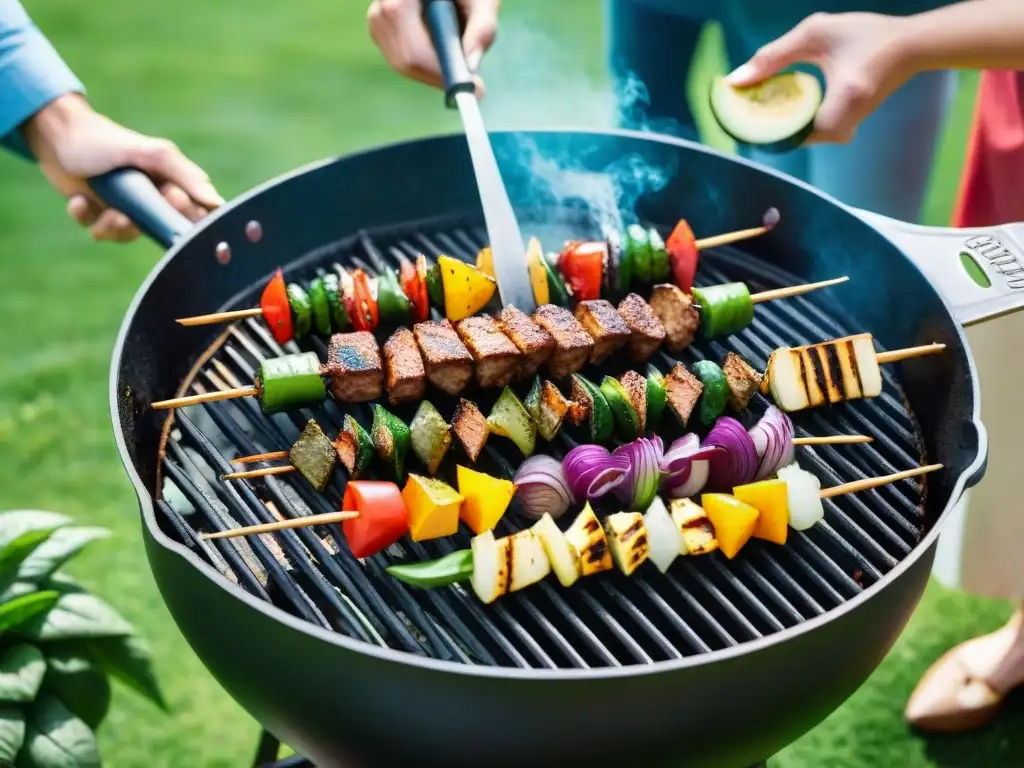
(266, 755)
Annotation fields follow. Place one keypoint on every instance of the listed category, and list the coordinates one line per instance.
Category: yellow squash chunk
(485, 261)
(466, 289)
(769, 498)
(734, 521)
(433, 507)
(484, 498)
(538, 273)
(587, 537)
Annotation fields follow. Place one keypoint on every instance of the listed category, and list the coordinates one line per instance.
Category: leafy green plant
(59, 647)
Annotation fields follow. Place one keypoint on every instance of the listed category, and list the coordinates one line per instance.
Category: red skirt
(992, 185)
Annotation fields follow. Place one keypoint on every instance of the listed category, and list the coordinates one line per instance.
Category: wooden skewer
(205, 397)
(905, 354)
(727, 238)
(794, 290)
(280, 525)
(263, 472)
(874, 482)
(220, 317)
(260, 457)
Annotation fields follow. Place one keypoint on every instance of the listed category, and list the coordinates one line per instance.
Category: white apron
(982, 548)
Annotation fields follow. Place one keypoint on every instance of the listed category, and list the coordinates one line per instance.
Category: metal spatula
(507, 248)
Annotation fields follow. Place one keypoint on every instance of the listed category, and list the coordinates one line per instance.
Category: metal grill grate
(703, 604)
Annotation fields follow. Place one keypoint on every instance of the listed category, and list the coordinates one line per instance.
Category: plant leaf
(61, 547)
(12, 734)
(16, 551)
(25, 608)
(76, 614)
(14, 524)
(128, 659)
(22, 668)
(75, 677)
(56, 738)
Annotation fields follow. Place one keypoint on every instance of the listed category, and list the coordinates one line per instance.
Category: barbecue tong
(506, 241)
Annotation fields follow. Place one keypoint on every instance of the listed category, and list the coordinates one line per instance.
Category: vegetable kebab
(376, 514)
(355, 301)
(763, 510)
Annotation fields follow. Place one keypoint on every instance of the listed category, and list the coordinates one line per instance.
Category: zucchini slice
(775, 115)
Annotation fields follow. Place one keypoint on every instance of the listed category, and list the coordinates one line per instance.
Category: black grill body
(718, 663)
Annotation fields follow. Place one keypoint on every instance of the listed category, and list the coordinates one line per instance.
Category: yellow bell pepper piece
(433, 507)
(769, 498)
(734, 521)
(466, 289)
(485, 261)
(538, 273)
(484, 498)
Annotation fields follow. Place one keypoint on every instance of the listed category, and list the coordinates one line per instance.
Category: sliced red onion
(591, 471)
(542, 488)
(644, 474)
(687, 467)
(736, 464)
(773, 441)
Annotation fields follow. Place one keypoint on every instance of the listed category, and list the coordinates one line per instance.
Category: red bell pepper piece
(364, 316)
(683, 255)
(582, 266)
(382, 520)
(414, 282)
(276, 312)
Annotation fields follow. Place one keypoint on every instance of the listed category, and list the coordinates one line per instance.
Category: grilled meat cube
(647, 331)
(535, 344)
(470, 427)
(635, 386)
(674, 310)
(742, 379)
(682, 390)
(403, 363)
(553, 409)
(448, 363)
(573, 344)
(497, 358)
(354, 367)
(606, 326)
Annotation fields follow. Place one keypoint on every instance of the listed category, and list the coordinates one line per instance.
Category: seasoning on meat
(403, 363)
(674, 310)
(313, 455)
(470, 427)
(449, 364)
(635, 386)
(742, 379)
(354, 367)
(606, 326)
(573, 344)
(535, 344)
(683, 390)
(647, 331)
(497, 358)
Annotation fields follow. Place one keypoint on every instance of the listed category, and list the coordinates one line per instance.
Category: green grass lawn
(251, 89)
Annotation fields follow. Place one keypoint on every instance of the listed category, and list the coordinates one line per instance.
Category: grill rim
(148, 500)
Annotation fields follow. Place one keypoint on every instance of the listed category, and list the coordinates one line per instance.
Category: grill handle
(134, 194)
(446, 33)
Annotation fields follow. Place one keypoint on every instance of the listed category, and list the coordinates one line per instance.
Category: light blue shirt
(32, 74)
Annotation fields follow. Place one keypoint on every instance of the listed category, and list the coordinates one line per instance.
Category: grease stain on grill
(254, 231)
(705, 603)
(223, 253)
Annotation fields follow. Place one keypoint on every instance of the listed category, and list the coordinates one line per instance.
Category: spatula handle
(446, 34)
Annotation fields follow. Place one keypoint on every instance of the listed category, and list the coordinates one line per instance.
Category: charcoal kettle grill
(717, 663)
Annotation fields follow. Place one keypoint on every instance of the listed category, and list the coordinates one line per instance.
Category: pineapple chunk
(627, 538)
(695, 528)
(564, 560)
(587, 537)
(490, 566)
(529, 562)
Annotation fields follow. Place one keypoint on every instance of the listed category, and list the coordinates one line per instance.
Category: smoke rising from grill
(535, 81)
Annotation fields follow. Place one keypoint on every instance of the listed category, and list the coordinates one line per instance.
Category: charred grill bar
(703, 604)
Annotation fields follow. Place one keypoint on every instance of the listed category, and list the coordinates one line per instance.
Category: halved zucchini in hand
(776, 114)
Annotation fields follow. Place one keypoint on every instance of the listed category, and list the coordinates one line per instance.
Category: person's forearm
(978, 34)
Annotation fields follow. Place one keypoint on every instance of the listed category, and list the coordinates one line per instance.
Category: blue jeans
(884, 169)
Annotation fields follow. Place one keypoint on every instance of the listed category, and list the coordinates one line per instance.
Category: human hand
(72, 143)
(865, 57)
(398, 29)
